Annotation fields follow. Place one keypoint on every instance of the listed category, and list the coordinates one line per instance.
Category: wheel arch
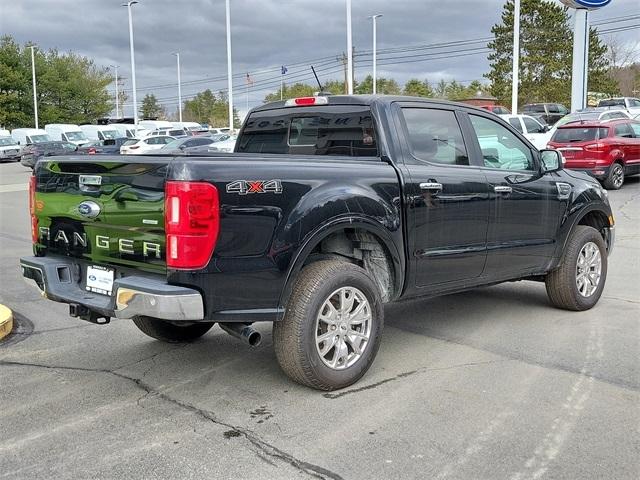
(357, 230)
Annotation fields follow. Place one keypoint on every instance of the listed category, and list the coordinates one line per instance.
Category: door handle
(502, 189)
(435, 186)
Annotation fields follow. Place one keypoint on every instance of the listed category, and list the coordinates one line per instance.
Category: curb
(6, 321)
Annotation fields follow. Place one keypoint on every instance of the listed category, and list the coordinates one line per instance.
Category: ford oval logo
(590, 4)
(89, 209)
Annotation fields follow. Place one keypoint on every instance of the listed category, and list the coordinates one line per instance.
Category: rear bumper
(61, 280)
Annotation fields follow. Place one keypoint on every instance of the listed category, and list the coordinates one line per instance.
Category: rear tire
(171, 332)
(337, 301)
(579, 280)
(615, 179)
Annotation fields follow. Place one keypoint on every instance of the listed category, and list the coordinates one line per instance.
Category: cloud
(265, 35)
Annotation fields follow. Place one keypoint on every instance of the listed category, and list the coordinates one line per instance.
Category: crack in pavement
(506, 354)
(408, 374)
(263, 446)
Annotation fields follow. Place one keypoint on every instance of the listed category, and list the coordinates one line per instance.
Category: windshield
(612, 103)
(578, 134)
(4, 142)
(109, 134)
(173, 144)
(72, 136)
(39, 138)
(577, 117)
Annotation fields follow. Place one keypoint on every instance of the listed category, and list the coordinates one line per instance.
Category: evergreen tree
(151, 108)
(417, 88)
(546, 50)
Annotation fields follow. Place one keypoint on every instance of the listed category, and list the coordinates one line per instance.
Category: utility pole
(33, 74)
(343, 60)
(115, 67)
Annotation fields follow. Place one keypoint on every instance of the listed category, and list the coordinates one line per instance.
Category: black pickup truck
(330, 207)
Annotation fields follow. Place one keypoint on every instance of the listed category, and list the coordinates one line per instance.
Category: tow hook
(244, 332)
(83, 313)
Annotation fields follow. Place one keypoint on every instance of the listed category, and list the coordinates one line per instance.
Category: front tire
(171, 332)
(331, 331)
(615, 178)
(578, 282)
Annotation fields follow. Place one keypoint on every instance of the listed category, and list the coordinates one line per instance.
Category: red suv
(609, 150)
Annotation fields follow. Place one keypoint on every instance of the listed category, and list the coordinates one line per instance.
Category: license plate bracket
(100, 279)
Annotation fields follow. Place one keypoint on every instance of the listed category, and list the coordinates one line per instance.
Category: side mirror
(551, 160)
(545, 128)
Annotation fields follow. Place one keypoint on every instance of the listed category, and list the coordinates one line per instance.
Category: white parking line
(14, 187)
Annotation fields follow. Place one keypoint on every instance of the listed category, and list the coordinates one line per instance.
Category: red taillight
(32, 209)
(595, 147)
(191, 222)
(91, 151)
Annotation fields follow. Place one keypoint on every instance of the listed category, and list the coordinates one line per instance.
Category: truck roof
(367, 100)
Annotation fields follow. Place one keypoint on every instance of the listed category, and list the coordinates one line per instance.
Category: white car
(226, 146)
(144, 145)
(532, 129)
(9, 149)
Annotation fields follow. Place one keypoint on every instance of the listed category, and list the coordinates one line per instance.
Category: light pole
(516, 57)
(229, 70)
(115, 67)
(179, 88)
(133, 63)
(349, 51)
(33, 74)
(375, 49)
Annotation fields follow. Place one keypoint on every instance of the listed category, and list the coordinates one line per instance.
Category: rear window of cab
(579, 134)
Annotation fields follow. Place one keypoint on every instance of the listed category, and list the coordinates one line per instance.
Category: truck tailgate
(108, 211)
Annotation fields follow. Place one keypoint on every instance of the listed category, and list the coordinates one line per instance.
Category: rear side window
(553, 108)
(612, 103)
(435, 136)
(338, 130)
(538, 109)
(576, 134)
(623, 130)
(636, 129)
(515, 123)
(532, 125)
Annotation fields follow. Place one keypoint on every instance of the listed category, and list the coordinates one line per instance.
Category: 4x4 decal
(245, 187)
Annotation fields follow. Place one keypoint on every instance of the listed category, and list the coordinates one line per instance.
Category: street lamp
(33, 74)
(115, 67)
(179, 88)
(349, 51)
(375, 47)
(133, 63)
(229, 70)
(516, 57)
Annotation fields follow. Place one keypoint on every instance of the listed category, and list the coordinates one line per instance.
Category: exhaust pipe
(244, 332)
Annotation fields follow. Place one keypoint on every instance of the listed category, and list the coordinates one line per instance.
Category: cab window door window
(435, 136)
(532, 125)
(515, 123)
(500, 147)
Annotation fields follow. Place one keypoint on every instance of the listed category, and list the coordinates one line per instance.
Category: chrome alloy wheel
(588, 269)
(343, 328)
(618, 175)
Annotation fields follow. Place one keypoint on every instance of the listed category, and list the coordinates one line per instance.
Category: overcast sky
(265, 35)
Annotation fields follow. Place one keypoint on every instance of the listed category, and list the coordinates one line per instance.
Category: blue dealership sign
(589, 4)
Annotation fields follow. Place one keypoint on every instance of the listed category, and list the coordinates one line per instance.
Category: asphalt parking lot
(488, 384)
